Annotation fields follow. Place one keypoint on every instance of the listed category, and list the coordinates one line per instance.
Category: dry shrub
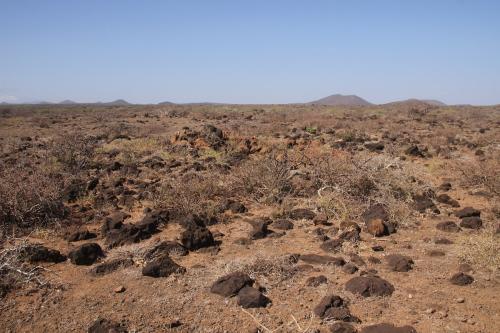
(15, 273)
(191, 194)
(265, 178)
(267, 270)
(482, 250)
(349, 183)
(73, 152)
(482, 174)
(28, 199)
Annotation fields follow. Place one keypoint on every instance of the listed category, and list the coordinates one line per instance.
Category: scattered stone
(249, 297)
(350, 268)
(80, 235)
(422, 203)
(113, 221)
(351, 234)
(322, 260)
(415, 151)
(282, 224)
(131, 233)
(471, 222)
(378, 248)
(374, 260)
(332, 245)
(321, 219)
(110, 266)
(387, 328)
(356, 258)
(301, 214)
(229, 285)
(194, 238)
(260, 229)
(376, 219)
(34, 253)
(169, 248)
(445, 187)
(436, 253)
(328, 302)
(443, 241)
(162, 267)
(448, 226)
(367, 286)
(460, 300)
(235, 207)
(106, 326)
(341, 327)
(315, 281)
(374, 146)
(467, 212)
(119, 289)
(399, 263)
(86, 254)
(461, 279)
(446, 199)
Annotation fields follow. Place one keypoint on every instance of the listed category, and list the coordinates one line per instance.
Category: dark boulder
(131, 233)
(80, 235)
(399, 263)
(422, 203)
(376, 219)
(472, 222)
(249, 297)
(321, 260)
(448, 226)
(86, 254)
(341, 327)
(165, 248)
(447, 200)
(282, 224)
(194, 238)
(106, 326)
(315, 281)
(113, 221)
(461, 279)
(301, 214)
(162, 267)
(230, 284)
(332, 245)
(467, 212)
(111, 266)
(367, 286)
(388, 328)
(259, 228)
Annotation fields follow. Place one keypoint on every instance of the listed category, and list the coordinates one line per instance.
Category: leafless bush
(266, 178)
(14, 272)
(348, 183)
(74, 152)
(482, 175)
(193, 193)
(482, 250)
(28, 198)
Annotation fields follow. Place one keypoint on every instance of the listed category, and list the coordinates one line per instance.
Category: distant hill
(118, 102)
(67, 102)
(339, 99)
(166, 103)
(415, 101)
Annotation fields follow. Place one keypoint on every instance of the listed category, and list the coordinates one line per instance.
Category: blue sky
(249, 51)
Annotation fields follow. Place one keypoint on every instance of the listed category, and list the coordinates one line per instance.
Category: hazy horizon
(249, 53)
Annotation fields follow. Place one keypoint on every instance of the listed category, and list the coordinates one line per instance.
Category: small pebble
(119, 289)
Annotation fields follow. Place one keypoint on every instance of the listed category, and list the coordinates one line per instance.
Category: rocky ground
(228, 218)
